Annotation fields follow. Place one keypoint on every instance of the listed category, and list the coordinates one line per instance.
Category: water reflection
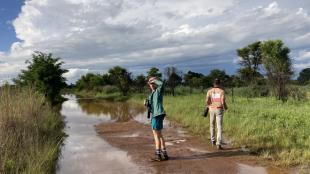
(84, 151)
(118, 111)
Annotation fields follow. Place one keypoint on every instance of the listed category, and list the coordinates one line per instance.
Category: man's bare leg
(163, 146)
(157, 139)
(157, 145)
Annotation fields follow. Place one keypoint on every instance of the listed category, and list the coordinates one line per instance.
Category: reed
(31, 132)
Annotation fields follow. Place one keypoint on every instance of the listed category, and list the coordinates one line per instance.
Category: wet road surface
(106, 137)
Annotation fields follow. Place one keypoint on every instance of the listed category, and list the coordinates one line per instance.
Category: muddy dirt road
(116, 138)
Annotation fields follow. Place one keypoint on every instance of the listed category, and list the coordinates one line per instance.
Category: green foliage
(30, 132)
(304, 76)
(249, 76)
(193, 80)
(252, 91)
(278, 65)
(235, 81)
(121, 78)
(140, 82)
(250, 59)
(270, 128)
(109, 89)
(174, 79)
(90, 81)
(154, 72)
(44, 73)
(219, 74)
(297, 94)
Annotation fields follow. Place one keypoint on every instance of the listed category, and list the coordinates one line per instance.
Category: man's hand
(225, 107)
(151, 80)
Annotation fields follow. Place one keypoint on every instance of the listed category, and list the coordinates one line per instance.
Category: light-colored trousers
(216, 115)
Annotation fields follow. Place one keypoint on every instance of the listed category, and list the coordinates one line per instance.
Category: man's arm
(224, 102)
(208, 99)
(159, 85)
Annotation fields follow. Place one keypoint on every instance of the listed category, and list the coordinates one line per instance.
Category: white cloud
(74, 74)
(5, 81)
(301, 66)
(302, 11)
(303, 56)
(272, 9)
(98, 34)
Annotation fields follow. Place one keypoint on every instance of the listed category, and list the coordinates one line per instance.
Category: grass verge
(102, 95)
(274, 130)
(31, 133)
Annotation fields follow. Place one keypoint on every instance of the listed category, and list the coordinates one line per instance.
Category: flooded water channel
(85, 152)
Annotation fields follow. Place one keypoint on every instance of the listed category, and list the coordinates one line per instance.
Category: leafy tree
(193, 80)
(216, 73)
(174, 79)
(140, 82)
(154, 72)
(278, 65)
(106, 79)
(121, 78)
(44, 73)
(250, 59)
(304, 76)
(207, 82)
(90, 81)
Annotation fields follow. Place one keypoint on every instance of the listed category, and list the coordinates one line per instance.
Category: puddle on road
(246, 169)
(84, 151)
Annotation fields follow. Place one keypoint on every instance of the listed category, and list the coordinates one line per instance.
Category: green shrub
(297, 93)
(251, 91)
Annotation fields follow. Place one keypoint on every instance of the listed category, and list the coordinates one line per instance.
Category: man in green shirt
(158, 115)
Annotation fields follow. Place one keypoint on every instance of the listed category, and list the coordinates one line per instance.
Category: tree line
(125, 81)
(264, 63)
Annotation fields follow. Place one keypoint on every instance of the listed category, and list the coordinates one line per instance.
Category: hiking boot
(219, 147)
(213, 143)
(157, 158)
(165, 156)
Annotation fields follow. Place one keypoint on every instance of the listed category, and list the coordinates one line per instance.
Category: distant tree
(44, 73)
(193, 80)
(278, 65)
(216, 73)
(106, 79)
(90, 81)
(304, 76)
(154, 72)
(250, 59)
(235, 81)
(140, 82)
(207, 82)
(121, 78)
(173, 78)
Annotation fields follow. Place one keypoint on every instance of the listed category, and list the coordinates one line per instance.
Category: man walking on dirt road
(215, 100)
(158, 114)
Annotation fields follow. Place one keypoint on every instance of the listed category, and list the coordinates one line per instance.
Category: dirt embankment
(188, 154)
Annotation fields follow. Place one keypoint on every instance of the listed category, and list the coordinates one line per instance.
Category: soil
(188, 153)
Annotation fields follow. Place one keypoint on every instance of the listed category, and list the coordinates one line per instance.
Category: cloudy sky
(197, 35)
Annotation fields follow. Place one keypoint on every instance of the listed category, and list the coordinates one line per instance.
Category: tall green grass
(271, 128)
(31, 132)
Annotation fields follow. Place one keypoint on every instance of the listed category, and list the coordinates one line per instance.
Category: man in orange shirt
(215, 100)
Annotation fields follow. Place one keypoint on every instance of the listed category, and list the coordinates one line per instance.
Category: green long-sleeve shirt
(156, 99)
